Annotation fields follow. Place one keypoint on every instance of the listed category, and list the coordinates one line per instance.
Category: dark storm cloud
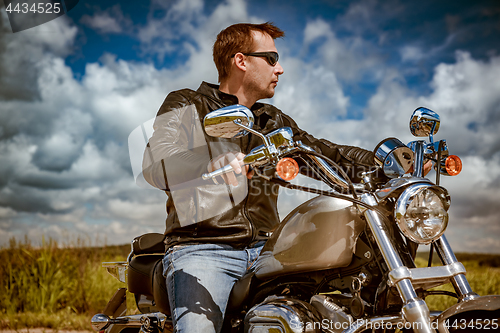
(44, 182)
(466, 207)
(27, 199)
(51, 160)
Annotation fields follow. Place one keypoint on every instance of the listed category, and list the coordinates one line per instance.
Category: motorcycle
(343, 261)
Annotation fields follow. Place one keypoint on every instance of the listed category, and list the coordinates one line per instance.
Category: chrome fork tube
(414, 310)
(460, 283)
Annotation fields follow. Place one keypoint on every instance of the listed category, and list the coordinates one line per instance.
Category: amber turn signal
(287, 168)
(453, 165)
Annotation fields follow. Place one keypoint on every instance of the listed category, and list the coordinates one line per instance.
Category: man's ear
(240, 62)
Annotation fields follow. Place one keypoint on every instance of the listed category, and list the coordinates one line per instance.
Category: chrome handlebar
(269, 154)
(218, 172)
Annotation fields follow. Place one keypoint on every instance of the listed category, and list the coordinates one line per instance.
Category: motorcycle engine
(286, 314)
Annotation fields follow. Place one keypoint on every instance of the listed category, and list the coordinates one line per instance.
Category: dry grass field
(53, 287)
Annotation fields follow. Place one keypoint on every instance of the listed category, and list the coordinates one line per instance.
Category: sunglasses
(271, 57)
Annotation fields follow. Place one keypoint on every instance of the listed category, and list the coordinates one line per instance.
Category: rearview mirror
(424, 122)
(223, 123)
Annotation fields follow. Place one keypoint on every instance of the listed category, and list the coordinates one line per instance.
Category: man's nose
(278, 69)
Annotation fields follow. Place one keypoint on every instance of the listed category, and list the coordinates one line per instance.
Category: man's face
(261, 78)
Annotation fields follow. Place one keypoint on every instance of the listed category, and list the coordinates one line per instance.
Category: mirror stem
(431, 135)
(262, 136)
(418, 164)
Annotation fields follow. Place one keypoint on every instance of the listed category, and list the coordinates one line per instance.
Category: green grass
(63, 287)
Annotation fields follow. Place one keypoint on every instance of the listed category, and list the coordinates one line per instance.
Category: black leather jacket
(178, 154)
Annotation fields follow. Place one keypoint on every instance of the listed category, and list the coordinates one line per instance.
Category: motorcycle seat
(141, 272)
(240, 292)
(148, 244)
(145, 277)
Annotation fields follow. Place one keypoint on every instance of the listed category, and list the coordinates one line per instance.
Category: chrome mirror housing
(281, 138)
(424, 122)
(225, 122)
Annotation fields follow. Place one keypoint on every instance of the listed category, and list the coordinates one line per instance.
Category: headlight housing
(422, 212)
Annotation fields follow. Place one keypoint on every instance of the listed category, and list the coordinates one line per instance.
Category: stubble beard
(259, 92)
(268, 92)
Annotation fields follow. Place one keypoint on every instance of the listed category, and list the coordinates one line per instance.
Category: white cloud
(189, 34)
(64, 155)
(128, 210)
(464, 93)
(102, 23)
(110, 21)
(55, 37)
(411, 53)
(6, 212)
(351, 58)
(21, 52)
(312, 96)
(317, 29)
(67, 165)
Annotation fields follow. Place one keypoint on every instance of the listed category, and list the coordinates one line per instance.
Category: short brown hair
(238, 38)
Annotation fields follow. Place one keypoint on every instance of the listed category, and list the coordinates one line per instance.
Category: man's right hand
(235, 159)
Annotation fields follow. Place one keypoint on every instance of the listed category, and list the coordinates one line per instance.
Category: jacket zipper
(245, 210)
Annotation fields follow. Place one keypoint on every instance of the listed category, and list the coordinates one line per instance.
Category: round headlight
(421, 212)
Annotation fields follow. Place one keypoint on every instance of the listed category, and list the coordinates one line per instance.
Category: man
(215, 232)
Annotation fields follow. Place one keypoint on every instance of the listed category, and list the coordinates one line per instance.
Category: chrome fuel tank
(319, 234)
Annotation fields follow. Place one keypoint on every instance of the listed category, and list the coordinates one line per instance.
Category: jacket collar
(212, 91)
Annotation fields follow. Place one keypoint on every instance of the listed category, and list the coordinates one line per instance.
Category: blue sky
(73, 89)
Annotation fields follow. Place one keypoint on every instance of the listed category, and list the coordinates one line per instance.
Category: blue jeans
(199, 280)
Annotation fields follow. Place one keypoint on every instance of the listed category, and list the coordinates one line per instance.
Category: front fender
(482, 307)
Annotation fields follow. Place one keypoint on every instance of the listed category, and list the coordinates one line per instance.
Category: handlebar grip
(218, 172)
